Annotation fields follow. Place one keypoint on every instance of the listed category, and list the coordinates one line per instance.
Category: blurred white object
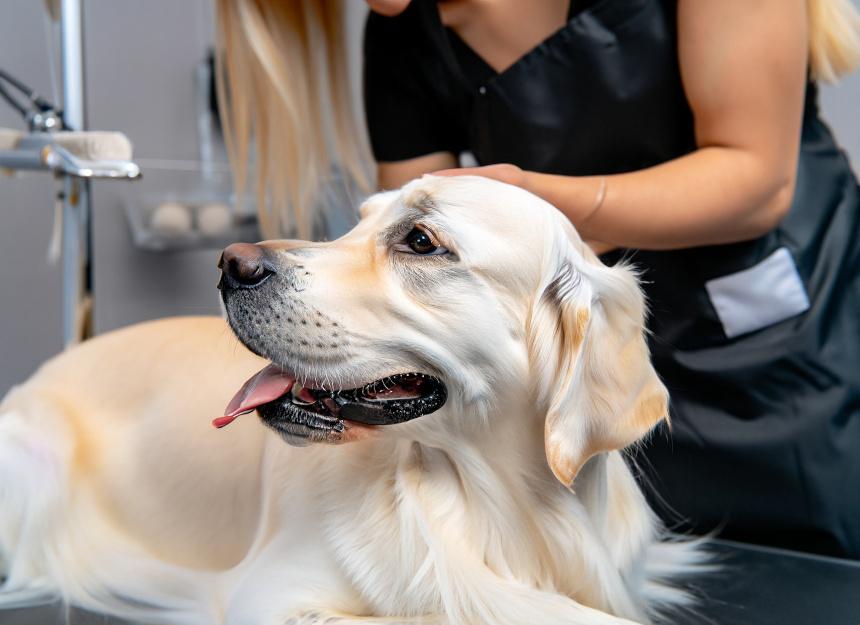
(94, 145)
(214, 219)
(84, 154)
(171, 219)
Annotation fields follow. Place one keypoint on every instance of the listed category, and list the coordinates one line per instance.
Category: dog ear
(587, 345)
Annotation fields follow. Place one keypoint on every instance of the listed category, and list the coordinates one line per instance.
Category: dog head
(461, 290)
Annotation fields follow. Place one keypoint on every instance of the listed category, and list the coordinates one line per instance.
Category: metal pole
(72, 42)
(77, 278)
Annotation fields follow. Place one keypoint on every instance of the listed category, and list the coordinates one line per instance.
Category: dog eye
(419, 242)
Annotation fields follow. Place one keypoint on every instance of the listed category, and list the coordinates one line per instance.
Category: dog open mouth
(285, 404)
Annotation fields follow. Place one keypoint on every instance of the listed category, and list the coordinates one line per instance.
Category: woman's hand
(582, 194)
(504, 172)
(511, 174)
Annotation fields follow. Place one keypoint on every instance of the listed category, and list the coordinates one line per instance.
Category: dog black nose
(243, 266)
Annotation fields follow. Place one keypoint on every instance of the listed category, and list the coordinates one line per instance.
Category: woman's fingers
(504, 172)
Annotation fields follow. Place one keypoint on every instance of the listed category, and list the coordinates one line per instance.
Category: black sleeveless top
(757, 341)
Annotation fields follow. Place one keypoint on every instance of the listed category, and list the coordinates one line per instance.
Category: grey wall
(841, 108)
(141, 58)
(140, 62)
(29, 289)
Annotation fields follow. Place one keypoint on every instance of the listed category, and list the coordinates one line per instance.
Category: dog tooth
(297, 399)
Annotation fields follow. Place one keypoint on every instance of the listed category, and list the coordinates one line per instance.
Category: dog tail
(53, 547)
(29, 501)
(668, 566)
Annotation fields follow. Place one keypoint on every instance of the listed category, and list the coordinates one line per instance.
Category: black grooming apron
(758, 342)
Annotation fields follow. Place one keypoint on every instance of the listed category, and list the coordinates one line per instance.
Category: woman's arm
(743, 65)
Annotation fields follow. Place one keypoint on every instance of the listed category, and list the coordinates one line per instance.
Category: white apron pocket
(762, 295)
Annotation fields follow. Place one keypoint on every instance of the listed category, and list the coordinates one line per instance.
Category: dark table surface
(766, 586)
(755, 586)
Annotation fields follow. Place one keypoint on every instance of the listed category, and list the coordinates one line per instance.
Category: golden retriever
(484, 368)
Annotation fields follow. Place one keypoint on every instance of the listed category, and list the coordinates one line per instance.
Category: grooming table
(767, 586)
(757, 586)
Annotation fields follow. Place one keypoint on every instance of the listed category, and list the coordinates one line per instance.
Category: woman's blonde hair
(284, 93)
(286, 108)
(834, 38)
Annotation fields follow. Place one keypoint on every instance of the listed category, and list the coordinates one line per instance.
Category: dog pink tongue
(265, 386)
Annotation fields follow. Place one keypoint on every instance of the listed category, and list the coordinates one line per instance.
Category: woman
(687, 131)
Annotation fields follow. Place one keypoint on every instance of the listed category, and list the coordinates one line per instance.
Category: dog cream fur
(509, 505)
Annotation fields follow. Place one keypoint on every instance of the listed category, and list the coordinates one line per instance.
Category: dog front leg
(513, 604)
(578, 616)
(322, 617)
(295, 584)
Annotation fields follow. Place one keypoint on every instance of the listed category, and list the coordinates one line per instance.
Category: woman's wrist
(579, 198)
(599, 198)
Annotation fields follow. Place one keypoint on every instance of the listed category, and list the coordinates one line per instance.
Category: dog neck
(482, 502)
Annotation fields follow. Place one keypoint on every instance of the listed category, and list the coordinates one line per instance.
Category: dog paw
(319, 618)
(311, 618)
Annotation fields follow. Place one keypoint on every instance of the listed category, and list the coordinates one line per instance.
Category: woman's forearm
(743, 65)
(714, 195)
